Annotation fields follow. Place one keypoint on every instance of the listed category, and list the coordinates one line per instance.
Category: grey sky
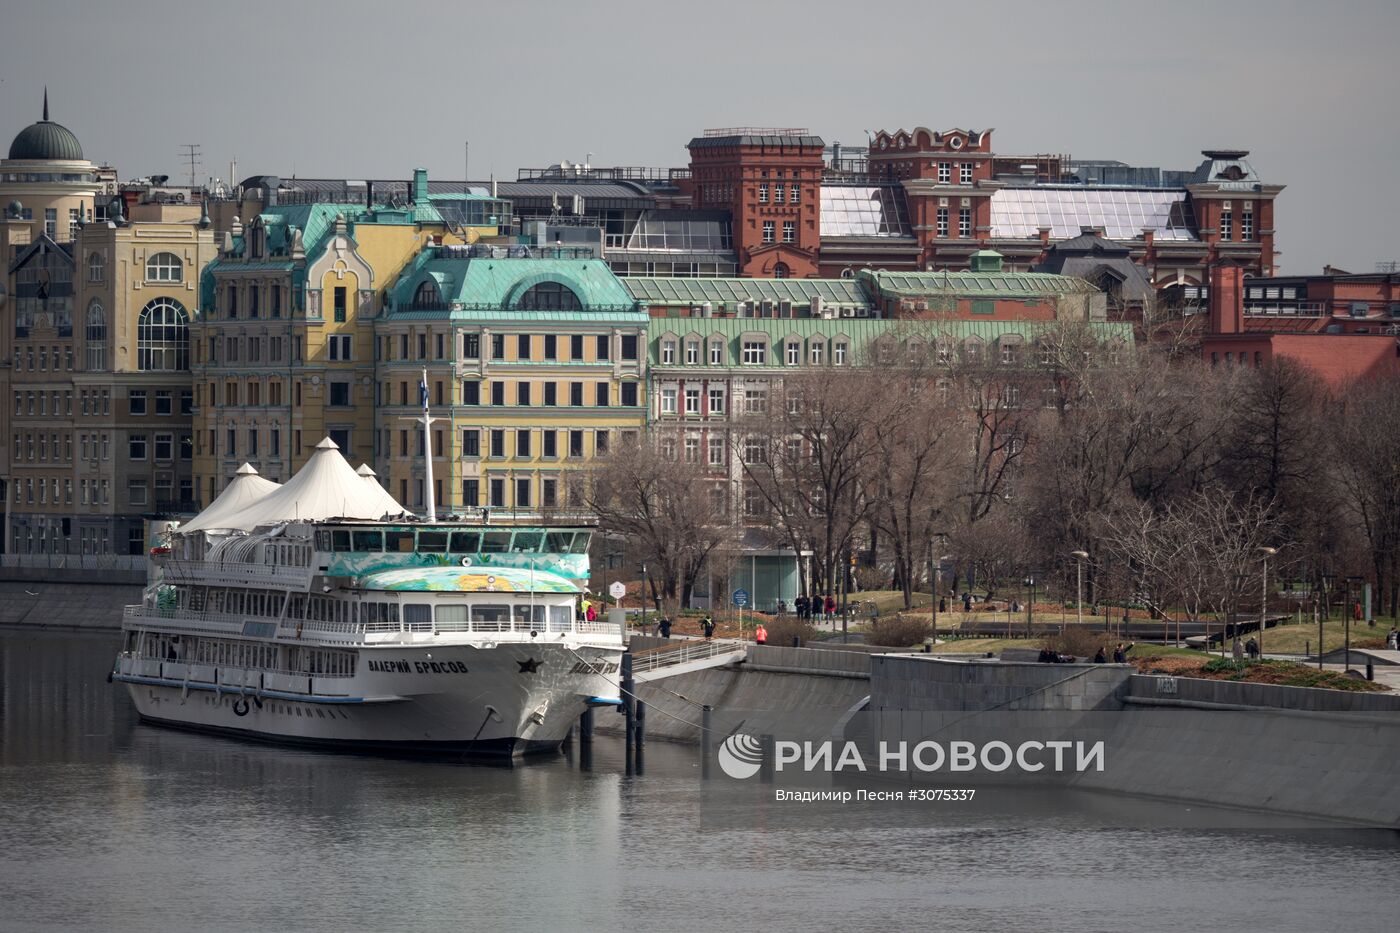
(356, 89)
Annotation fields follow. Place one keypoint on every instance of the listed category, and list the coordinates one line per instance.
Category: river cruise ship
(320, 613)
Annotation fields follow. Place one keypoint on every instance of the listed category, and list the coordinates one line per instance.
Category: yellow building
(535, 362)
(284, 353)
(49, 183)
(97, 386)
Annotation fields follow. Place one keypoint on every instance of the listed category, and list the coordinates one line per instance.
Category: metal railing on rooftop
(1293, 308)
(487, 251)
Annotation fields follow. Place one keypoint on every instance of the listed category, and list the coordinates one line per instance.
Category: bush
(782, 629)
(898, 631)
(1079, 643)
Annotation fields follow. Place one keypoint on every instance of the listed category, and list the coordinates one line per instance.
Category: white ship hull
(501, 699)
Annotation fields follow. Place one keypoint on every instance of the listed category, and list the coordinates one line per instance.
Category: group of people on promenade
(812, 608)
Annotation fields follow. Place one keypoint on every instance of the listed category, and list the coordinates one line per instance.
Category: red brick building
(770, 181)
(1247, 327)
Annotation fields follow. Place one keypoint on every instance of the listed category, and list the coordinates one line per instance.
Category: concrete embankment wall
(1294, 750)
(764, 693)
(92, 606)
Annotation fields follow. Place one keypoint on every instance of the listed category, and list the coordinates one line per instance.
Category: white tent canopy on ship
(246, 488)
(326, 487)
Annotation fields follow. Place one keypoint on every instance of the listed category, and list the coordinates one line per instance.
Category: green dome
(46, 141)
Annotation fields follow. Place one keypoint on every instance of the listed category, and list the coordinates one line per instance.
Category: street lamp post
(1346, 619)
(1264, 597)
(1030, 604)
(645, 596)
(1079, 558)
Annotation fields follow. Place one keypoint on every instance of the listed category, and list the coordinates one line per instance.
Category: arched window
(165, 267)
(97, 267)
(781, 271)
(428, 297)
(549, 296)
(163, 337)
(96, 337)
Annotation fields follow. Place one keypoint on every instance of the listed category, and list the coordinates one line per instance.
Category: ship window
(432, 542)
(557, 542)
(466, 542)
(369, 540)
(323, 540)
(495, 542)
(398, 542)
(532, 615)
(340, 540)
(526, 541)
(560, 618)
(418, 616)
(490, 613)
(453, 618)
(580, 543)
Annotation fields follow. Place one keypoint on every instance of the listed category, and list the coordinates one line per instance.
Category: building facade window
(163, 337)
(165, 267)
(964, 222)
(945, 173)
(340, 302)
(549, 296)
(1246, 226)
(755, 352)
(96, 337)
(942, 222)
(96, 267)
(763, 193)
(965, 173)
(768, 231)
(1227, 226)
(789, 231)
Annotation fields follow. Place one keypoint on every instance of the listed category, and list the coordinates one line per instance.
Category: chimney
(369, 195)
(420, 186)
(1226, 293)
(272, 183)
(1044, 233)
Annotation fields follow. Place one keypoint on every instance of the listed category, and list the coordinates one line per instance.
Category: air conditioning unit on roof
(848, 312)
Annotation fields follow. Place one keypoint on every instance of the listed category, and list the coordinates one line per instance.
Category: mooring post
(641, 738)
(765, 769)
(585, 726)
(629, 709)
(706, 738)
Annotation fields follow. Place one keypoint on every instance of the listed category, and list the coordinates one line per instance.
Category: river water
(109, 824)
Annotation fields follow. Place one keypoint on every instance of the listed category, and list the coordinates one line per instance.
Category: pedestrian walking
(664, 627)
(760, 635)
(707, 625)
(1099, 657)
(782, 608)
(830, 607)
(1392, 641)
(1251, 648)
(1119, 655)
(942, 604)
(800, 604)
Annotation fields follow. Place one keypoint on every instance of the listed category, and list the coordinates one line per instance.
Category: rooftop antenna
(191, 155)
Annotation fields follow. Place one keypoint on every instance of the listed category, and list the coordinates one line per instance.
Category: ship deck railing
(352, 632)
(235, 573)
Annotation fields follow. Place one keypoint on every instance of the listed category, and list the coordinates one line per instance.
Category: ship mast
(426, 420)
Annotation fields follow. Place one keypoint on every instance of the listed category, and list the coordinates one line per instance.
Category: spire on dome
(46, 103)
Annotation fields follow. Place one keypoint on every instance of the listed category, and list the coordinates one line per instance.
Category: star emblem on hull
(528, 666)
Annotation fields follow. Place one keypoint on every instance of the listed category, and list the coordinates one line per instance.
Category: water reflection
(111, 824)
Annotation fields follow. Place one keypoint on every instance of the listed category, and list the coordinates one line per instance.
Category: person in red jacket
(760, 635)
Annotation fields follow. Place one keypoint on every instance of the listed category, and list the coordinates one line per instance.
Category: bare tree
(1367, 462)
(664, 508)
(807, 457)
(919, 449)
